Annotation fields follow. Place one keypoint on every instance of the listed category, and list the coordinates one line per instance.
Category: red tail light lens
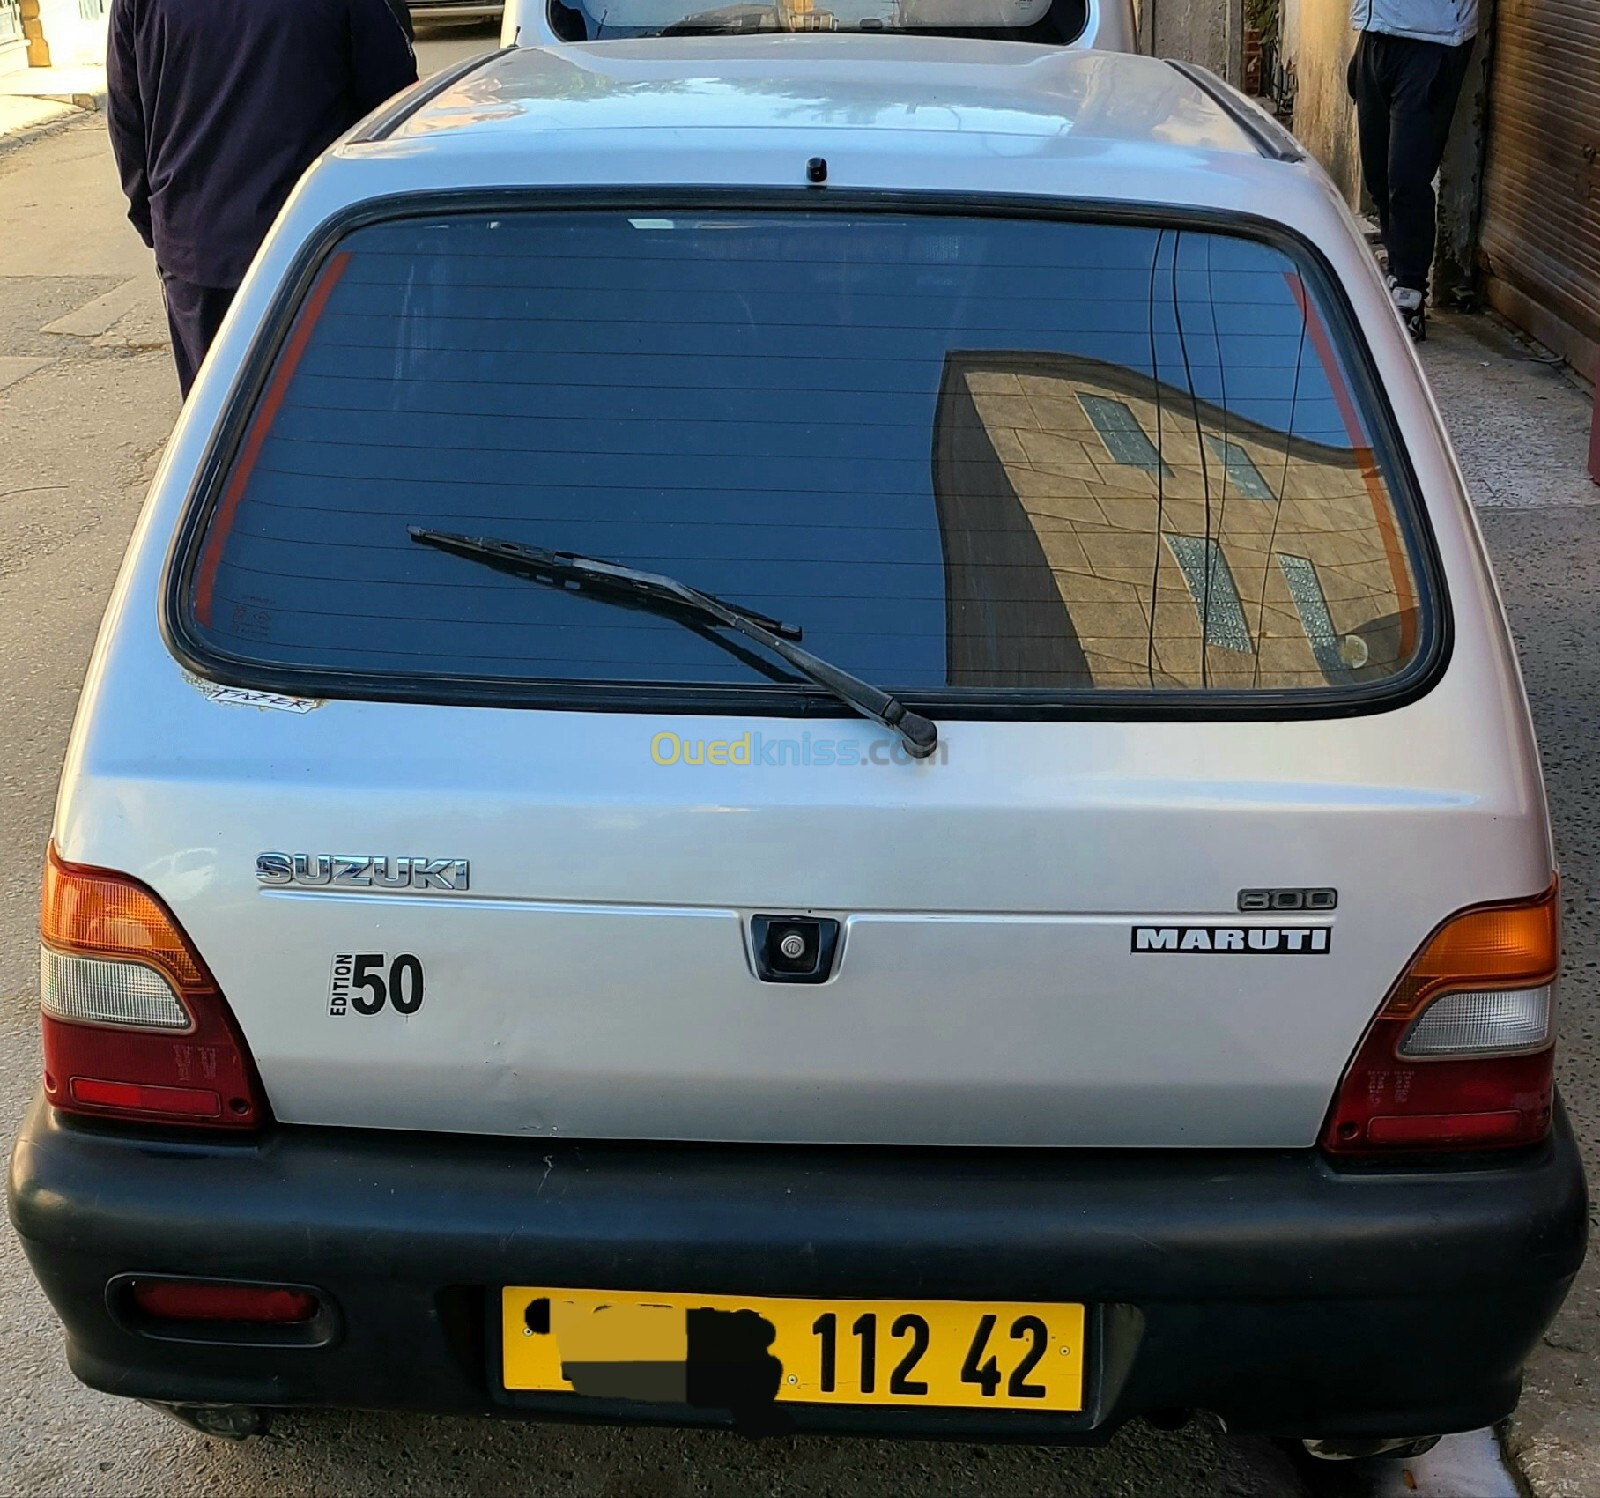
(200, 1300)
(134, 1024)
(1462, 1053)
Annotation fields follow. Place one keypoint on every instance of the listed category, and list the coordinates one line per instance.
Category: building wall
(71, 33)
(1461, 178)
(13, 48)
(1138, 538)
(1209, 32)
(1320, 43)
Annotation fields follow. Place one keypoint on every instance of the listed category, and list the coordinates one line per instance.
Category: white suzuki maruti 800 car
(1108, 24)
(807, 732)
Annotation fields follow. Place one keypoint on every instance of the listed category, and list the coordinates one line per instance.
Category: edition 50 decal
(366, 981)
(1261, 941)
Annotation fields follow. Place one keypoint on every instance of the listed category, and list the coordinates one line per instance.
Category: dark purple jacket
(217, 106)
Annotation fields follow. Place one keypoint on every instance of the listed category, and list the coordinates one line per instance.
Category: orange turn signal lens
(107, 915)
(1488, 947)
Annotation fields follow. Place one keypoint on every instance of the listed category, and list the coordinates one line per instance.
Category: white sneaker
(1412, 305)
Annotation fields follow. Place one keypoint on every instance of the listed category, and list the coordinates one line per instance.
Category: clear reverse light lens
(88, 991)
(1481, 1022)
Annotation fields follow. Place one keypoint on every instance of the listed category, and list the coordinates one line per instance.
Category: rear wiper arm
(564, 569)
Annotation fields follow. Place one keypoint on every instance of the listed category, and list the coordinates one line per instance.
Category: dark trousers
(1405, 93)
(194, 313)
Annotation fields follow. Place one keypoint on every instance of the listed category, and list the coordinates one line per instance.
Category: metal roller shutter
(1541, 205)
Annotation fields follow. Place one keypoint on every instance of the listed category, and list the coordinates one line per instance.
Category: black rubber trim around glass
(1436, 624)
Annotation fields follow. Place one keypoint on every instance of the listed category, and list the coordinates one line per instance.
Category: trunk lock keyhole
(793, 949)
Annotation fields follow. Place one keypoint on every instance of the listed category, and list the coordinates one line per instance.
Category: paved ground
(86, 398)
(1522, 434)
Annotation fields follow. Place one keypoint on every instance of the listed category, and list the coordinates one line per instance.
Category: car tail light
(134, 1024)
(1462, 1053)
(214, 1300)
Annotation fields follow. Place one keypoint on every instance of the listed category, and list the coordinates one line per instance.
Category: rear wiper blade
(566, 569)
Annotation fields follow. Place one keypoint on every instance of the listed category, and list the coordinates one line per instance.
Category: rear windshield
(1045, 22)
(973, 459)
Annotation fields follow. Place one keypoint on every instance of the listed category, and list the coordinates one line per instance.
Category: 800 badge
(368, 981)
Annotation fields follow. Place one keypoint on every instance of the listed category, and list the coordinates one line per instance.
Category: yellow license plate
(722, 1351)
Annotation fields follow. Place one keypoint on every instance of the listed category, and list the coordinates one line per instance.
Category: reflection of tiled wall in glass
(1304, 585)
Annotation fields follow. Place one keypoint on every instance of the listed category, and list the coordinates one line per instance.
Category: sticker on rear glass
(1266, 941)
(366, 982)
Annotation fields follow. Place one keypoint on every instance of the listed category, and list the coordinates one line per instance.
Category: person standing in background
(215, 108)
(1405, 78)
(402, 13)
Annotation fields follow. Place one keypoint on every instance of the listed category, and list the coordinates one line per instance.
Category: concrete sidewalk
(23, 116)
(83, 86)
(35, 98)
(1518, 419)
(1521, 429)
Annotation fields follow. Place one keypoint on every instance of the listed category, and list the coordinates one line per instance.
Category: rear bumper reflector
(1446, 1129)
(199, 1300)
(182, 1102)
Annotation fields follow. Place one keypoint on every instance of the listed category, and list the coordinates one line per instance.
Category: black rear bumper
(1286, 1296)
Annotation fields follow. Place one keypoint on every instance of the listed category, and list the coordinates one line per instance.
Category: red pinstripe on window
(1405, 594)
(260, 425)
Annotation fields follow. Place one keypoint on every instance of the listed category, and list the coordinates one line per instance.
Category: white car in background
(478, 974)
(1107, 24)
(454, 10)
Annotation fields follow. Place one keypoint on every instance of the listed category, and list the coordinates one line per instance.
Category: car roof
(921, 91)
(930, 117)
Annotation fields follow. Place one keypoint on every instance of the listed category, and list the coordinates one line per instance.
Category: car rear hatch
(474, 850)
